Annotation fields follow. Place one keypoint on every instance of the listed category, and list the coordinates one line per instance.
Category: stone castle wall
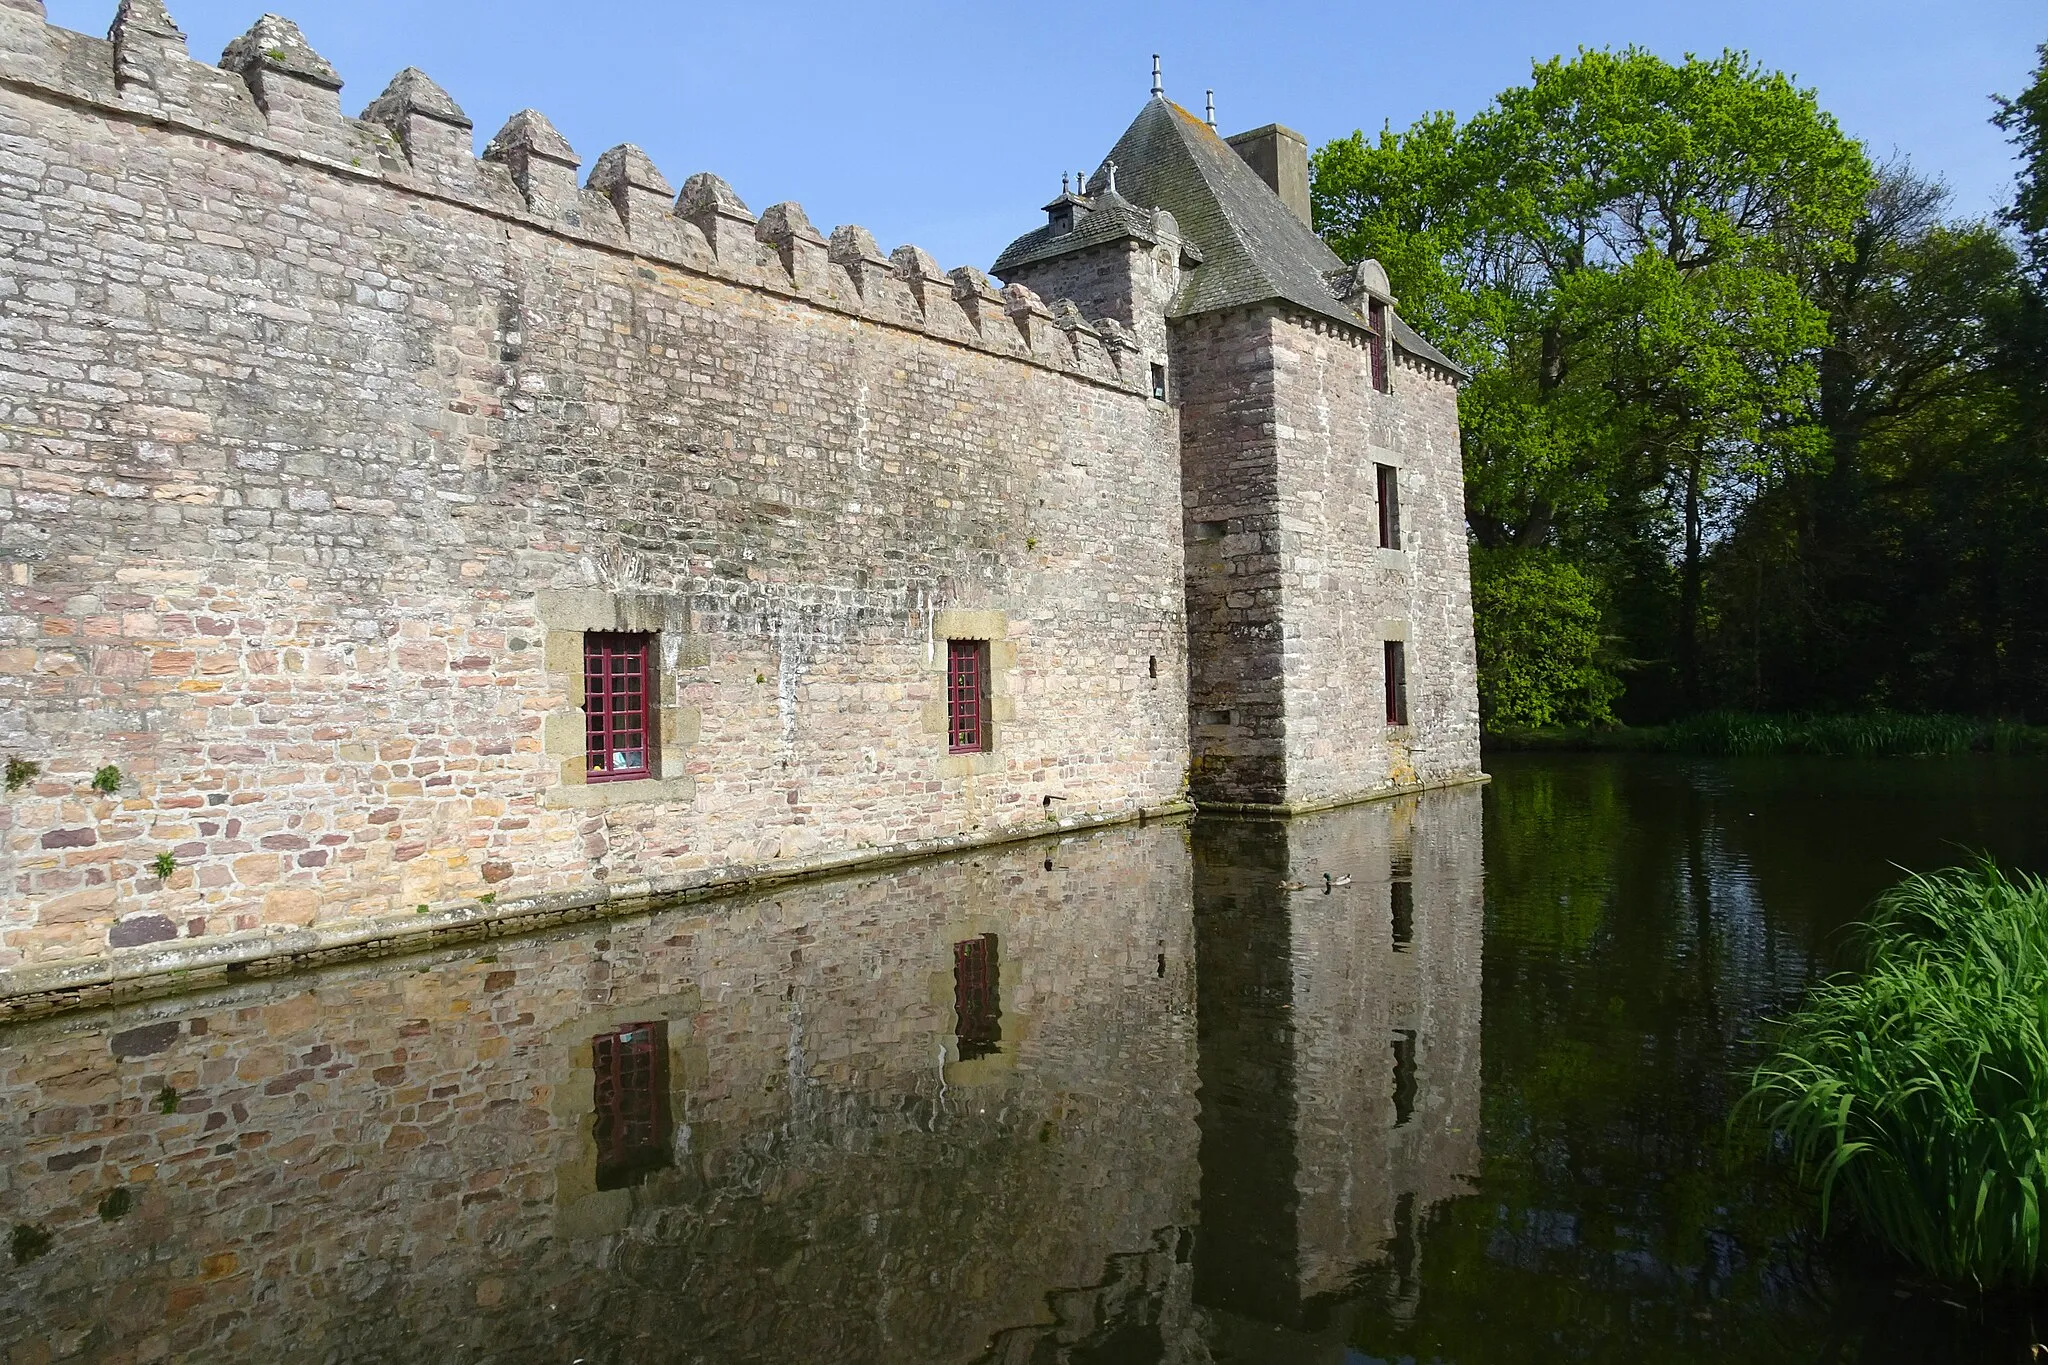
(1343, 595)
(1230, 480)
(324, 442)
(1290, 597)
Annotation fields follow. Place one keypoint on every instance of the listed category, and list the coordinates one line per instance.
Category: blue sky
(948, 126)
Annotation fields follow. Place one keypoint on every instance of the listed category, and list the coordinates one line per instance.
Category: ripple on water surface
(1174, 1097)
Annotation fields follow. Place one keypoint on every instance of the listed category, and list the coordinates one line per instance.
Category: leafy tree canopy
(1607, 250)
(1537, 621)
(2025, 119)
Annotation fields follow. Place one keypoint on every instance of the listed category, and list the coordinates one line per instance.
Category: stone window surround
(567, 614)
(965, 624)
(1395, 560)
(1393, 628)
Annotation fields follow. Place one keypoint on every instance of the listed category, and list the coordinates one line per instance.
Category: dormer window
(1063, 214)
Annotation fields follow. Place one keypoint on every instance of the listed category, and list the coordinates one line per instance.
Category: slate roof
(1253, 248)
(1111, 218)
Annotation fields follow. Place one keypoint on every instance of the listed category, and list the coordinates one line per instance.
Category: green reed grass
(1861, 736)
(1916, 1093)
(1736, 733)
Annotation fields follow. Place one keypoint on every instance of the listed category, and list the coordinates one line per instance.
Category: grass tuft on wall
(1916, 1093)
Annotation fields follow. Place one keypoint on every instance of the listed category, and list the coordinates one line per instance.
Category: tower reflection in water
(1140, 1105)
(1339, 1062)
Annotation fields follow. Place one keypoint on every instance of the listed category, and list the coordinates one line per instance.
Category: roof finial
(1063, 182)
(1110, 166)
(1210, 118)
(1157, 88)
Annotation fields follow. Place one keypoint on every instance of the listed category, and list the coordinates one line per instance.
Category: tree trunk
(1689, 586)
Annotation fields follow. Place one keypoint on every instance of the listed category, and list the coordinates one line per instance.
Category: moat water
(1156, 1093)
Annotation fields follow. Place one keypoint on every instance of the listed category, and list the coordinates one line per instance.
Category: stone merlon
(437, 540)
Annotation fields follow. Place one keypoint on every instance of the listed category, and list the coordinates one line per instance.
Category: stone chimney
(1280, 156)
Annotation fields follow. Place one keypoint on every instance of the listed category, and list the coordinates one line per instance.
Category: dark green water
(1153, 1094)
(1643, 914)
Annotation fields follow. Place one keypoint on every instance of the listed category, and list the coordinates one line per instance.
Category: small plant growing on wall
(107, 780)
(21, 772)
(28, 1242)
(167, 1100)
(164, 865)
(115, 1204)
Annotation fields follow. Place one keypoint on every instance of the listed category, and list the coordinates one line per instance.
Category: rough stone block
(298, 92)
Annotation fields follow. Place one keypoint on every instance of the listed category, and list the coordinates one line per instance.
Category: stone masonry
(325, 444)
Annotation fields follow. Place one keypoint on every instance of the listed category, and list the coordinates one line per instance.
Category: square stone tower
(1330, 653)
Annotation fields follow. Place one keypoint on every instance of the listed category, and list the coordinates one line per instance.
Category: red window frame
(1376, 315)
(1387, 488)
(618, 706)
(1397, 682)
(967, 696)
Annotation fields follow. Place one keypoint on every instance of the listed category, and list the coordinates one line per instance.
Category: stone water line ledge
(1292, 808)
(178, 965)
(274, 95)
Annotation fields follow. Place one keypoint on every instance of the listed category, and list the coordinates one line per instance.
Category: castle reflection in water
(1157, 1093)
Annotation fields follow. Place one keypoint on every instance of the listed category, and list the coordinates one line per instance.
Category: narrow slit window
(1159, 382)
(977, 997)
(967, 696)
(1376, 315)
(1388, 489)
(618, 706)
(1397, 682)
(630, 1095)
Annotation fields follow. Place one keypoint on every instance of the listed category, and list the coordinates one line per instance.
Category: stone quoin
(411, 541)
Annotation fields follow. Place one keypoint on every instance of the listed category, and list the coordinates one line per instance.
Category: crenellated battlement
(419, 528)
(273, 93)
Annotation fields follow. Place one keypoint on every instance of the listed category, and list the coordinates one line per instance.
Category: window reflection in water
(977, 1003)
(630, 1096)
(1404, 1075)
(1401, 893)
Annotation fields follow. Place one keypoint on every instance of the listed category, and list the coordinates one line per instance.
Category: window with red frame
(618, 706)
(967, 696)
(630, 1096)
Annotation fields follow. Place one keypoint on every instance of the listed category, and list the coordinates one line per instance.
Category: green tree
(1824, 590)
(2024, 118)
(1536, 619)
(1609, 250)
